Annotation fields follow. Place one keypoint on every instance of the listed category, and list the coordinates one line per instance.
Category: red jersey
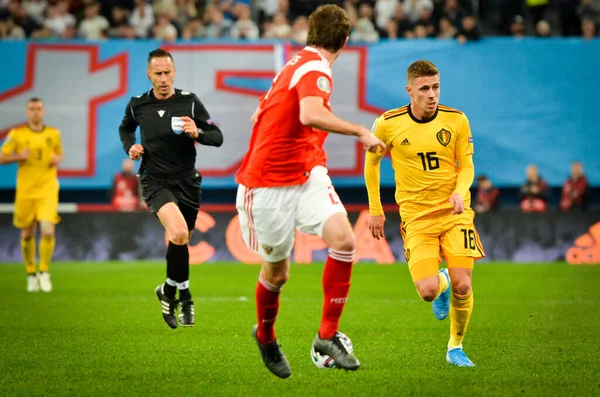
(125, 192)
(282, 151)
(573, 193)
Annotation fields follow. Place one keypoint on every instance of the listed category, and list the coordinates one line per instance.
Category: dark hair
(421, 68)
(328, 28)
(481, 178)
(34, 99)
(159, 53)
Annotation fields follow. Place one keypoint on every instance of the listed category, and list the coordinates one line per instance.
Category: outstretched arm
(313, 113)
(314, 90)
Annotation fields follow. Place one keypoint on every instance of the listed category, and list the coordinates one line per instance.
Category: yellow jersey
(432, 159)
(36, 176)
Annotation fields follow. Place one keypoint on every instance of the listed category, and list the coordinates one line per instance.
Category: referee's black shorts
(185, 192)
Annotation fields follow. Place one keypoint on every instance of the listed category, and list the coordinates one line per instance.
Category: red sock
(267, 306)
(336, 284)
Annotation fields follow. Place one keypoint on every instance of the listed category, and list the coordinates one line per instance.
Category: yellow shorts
(441, 235)
(31, 210)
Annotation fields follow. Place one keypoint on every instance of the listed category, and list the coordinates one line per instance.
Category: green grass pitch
(535, 331)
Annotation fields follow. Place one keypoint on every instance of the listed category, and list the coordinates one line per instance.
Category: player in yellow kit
(37, 149)
(431, 149)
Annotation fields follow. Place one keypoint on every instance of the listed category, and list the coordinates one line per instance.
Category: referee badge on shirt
(323, 84)
(177, 125)
(444, 136)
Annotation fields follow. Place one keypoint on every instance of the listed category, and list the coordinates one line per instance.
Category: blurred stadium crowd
(533, 196)
(373, 20)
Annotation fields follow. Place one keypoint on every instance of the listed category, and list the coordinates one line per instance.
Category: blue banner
(529, 101)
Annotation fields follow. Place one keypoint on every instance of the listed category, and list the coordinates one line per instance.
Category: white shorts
(269, 216)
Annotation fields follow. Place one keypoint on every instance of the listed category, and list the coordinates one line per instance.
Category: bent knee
(461, 287)
(47, 230)
(180, 236)
(26, 234)
(428, 291)
(277, 277)
(338, 233)
(280, 278)
(344, 242)
(428, 294)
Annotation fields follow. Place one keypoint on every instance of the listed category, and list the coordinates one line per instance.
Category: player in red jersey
(283, 185)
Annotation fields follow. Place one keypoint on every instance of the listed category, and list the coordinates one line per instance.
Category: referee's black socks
(170, 288)
(178, 269)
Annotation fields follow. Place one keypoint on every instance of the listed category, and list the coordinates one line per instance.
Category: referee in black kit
(171, 121)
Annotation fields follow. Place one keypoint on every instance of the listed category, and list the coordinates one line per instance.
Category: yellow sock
(28, 251)
(442, 285)
(461, 307)
(46, 251)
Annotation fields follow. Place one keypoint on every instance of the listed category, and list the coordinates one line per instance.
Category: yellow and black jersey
(426, 157)
(36, 176)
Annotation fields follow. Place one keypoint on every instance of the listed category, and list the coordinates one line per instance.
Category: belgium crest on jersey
(444, 136)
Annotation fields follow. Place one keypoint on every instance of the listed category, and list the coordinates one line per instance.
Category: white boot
(32, 283)
(45, 283)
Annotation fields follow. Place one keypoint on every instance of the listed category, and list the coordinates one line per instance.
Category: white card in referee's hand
(177, 125)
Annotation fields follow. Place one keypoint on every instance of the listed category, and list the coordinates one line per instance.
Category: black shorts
(185, 192)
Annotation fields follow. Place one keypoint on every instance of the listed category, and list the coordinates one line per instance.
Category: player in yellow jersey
(37, 149)
(431, 149)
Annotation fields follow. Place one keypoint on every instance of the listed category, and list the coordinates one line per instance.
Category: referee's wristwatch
(200, 132)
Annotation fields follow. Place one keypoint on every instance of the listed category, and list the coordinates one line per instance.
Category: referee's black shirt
(166, 152)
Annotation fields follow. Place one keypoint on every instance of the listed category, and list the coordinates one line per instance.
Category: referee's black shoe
(169, 307)
(186, 314)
